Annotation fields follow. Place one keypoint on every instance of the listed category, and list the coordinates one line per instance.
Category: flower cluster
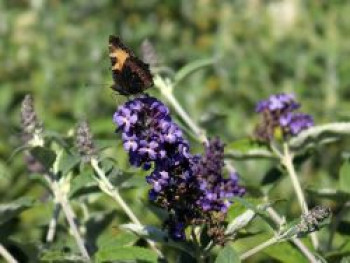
(313, 220)
(216, 189)
(148, 133)
(151, 138)
(279, 114)
(190, 187)
(31, 126)
(84, 141)
(32, 133)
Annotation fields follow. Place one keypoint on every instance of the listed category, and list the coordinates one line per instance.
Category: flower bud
(312, 221)
(84, 141)
(31, 126)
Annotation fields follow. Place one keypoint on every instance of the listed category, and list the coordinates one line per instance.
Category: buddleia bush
(237, 153)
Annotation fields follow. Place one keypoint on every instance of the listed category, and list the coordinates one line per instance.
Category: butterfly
(130, 74)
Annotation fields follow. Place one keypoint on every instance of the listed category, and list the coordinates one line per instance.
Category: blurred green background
(58, 52)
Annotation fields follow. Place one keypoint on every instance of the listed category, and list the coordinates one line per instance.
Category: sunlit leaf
(258, 209)
(240, 222)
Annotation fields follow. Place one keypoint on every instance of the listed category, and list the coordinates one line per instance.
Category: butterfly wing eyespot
(130, 74)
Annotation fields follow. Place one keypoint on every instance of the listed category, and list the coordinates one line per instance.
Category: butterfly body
(130, 74)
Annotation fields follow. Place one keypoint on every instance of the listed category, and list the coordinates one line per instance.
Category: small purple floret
(278, 111)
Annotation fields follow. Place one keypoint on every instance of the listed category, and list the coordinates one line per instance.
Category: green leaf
(151, 232)
(235, 210)
(133, 181)
(81, 184)
(344, 177)
(158, 235)
(192, 67)
(240, 222)
(286, 253)
(259, 209)
(320, 134)
(112, 240)
(68, 162)
(57, 255)
(126, 253)
(249, 203)
(45, 156)
(227, 255)
(10, 210)
(122, 179)
(247, 149)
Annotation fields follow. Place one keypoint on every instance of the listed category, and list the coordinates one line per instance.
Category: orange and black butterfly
(130, 74)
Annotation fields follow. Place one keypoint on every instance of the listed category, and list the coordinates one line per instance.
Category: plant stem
(287, 161)
(53, 223)
(7, 255)
(61, 198)
(278, 220)
(260, 247)
(113, 192)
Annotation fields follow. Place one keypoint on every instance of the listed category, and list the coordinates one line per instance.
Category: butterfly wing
(138, 75)
(130, 74)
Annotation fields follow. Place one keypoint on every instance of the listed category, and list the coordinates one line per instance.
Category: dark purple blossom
(216, 190)
(300, 122)
(177, 230)
(190, 187)
(277, 102)
(278, 112)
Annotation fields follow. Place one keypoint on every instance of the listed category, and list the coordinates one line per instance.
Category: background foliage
(57, 51)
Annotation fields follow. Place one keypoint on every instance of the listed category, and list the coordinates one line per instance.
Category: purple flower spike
(190, 187)
(215, 187)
